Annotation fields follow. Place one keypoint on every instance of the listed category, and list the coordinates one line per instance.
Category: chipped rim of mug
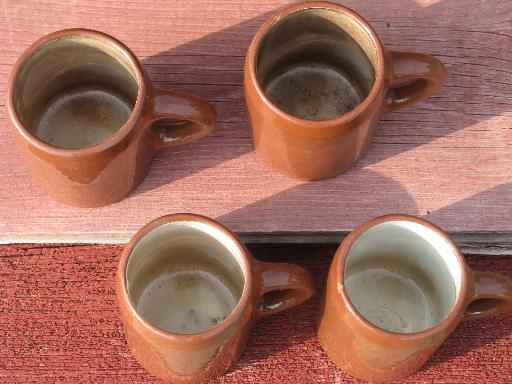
(363, 24)
(109, 141)
(231, 319)
(456, 311)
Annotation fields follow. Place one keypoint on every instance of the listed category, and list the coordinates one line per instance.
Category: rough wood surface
(59, 323)
(448, 158)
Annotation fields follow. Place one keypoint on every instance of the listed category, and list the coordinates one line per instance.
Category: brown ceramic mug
(397, 288)
(317, 78)
(189, 291)
(83, 110)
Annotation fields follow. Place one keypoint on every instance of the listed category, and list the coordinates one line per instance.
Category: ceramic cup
(82, 109)
(397, 287)
(317, 78)
(189, 291)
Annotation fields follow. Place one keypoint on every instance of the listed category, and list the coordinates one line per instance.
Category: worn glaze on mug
(87, 172)
(315, 149)
(268, 288)
(370, 352)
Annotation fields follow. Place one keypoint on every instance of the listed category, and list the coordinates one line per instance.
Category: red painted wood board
(59, 323)
(448, 158)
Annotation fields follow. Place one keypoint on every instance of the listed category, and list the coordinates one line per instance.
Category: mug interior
(75, 91)
(402, 276)
(316, 63)
(185, 277)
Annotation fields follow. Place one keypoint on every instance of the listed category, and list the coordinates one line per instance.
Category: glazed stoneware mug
(86, 115)
(317, 78)
(189, 291)
(397, 288)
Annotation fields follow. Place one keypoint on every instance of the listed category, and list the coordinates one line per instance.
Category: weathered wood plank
(448, 159)
(474, 243)
(59, 323)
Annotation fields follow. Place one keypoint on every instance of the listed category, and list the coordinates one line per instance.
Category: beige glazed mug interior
(185, 277)
(76, 91)
(402, 277)
(316, 63)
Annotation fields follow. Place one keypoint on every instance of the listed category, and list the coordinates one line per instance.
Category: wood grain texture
(448, 158)
(59, 323)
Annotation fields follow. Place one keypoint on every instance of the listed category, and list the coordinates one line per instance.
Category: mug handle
(492, 295)
(283, 286)
(416, 76)
(181, 118)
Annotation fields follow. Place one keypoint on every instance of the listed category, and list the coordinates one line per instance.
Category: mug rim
(235, 314)
(341, 257)
(109, 141)
(304, 6)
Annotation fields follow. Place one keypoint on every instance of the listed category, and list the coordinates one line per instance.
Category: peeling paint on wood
(59, 323)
